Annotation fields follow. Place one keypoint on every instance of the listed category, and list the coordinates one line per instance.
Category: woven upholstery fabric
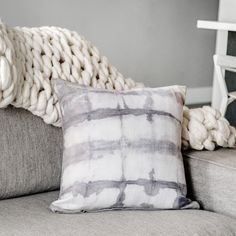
(121, 149)
(31, 57)
(211, 178)
(27, 216)
(31, 154)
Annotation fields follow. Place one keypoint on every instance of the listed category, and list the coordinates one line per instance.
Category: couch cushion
(31, 216)
(30, 159)
(211, 179)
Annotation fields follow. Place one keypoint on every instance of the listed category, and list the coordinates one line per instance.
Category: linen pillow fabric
(121, 149)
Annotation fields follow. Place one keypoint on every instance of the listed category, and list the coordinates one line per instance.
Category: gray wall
(154, 41)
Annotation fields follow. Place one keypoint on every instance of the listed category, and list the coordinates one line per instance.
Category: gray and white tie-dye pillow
(122, 150)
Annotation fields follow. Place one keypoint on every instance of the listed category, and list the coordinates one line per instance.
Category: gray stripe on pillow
(81, 151)
(151, 187)
(109, 112)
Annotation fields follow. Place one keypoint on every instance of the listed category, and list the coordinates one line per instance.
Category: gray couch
(30, 164)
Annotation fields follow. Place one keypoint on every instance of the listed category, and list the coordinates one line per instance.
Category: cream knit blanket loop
(8, 73)
(31, 57)
(205, 128)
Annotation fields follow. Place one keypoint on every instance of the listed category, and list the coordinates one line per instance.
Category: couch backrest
(30, 154)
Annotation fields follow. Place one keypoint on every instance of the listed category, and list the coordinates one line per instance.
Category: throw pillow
(122, 150)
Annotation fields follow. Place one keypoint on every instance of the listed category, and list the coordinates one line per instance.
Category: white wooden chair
(223, 63)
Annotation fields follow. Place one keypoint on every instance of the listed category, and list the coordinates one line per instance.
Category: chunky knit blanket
(31, 57)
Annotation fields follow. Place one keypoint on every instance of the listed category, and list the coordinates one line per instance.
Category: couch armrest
(211, 179)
